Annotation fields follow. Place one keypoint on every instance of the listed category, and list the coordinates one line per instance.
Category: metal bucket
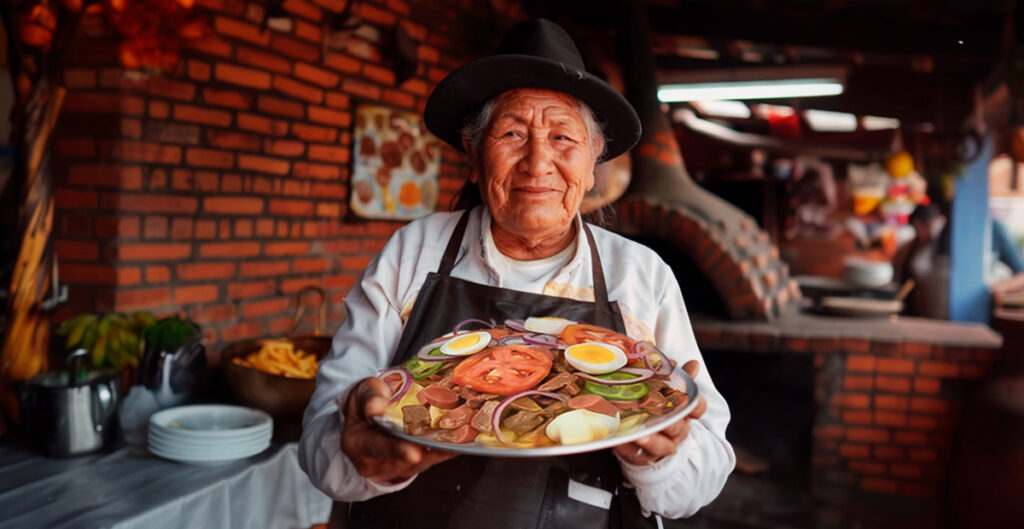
(69, 417)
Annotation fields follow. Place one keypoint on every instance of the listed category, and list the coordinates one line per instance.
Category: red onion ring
(406, 382)
(496, 416)
(641, 375)
(489, 324)
(516, 325)
(664, 367)
(640, 350)
(512, 339)
(423, 354)
(543, 340)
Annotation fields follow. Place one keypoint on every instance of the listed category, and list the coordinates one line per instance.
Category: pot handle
(300, 309)
(105, 405)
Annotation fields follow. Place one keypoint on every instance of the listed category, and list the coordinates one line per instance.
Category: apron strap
(455, 242)
(600, 289)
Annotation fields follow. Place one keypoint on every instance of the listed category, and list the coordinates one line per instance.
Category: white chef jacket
(648, 296)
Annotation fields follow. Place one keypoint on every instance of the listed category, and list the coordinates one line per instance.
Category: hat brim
(467, 88)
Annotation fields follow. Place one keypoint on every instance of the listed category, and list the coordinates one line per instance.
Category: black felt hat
(535, 54)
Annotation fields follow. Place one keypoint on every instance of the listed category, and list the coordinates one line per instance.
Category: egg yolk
(593, 354)
(464, 342)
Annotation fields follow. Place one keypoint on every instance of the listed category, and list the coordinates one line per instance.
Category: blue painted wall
(969, 298)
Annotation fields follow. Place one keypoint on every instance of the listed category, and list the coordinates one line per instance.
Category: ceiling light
(723, 109)
(750, 90)
(767, 111)
(826, 121)
(879, 123)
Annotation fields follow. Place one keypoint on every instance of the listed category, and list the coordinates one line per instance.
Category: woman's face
(536, 161)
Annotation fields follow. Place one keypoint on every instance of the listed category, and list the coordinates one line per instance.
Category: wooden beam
(972, 33)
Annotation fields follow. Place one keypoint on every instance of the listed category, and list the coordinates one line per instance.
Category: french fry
(279, 357)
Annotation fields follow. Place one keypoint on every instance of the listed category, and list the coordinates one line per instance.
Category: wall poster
(395, 165)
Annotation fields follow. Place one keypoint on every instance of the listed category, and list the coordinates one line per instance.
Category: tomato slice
(503, 370)
(581, 332)
(623, 392)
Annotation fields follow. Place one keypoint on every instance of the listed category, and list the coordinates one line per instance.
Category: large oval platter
(679, 379)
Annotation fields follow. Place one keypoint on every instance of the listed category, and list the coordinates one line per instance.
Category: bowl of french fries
(275, 375)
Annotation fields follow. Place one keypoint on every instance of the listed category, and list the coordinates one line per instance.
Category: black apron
(480, 492)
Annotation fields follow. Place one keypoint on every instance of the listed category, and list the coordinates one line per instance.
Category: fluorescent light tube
(826, 121)
(879, 123)
(750, 90)
(725, 109)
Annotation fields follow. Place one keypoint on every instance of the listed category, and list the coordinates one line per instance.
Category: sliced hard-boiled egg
(595, 358)
(553, 326)
(465, 344)
(581, 426)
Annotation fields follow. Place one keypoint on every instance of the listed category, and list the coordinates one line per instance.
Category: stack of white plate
(209, 434)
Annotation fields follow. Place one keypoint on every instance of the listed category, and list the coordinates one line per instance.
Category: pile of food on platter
(531, 383)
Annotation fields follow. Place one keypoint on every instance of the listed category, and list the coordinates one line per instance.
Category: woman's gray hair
(475, 126)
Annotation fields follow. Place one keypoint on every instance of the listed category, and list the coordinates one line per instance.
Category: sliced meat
(522, 422)
(537, 437)
(477, 398)
(556, 407)
(558, 381)
(482, 418)
(446, 382)
(626, 405)
(561, 366)
(654, 403)
(456, 418)
(416, 418)
(594, 403)
(438, 396)
(525, 404)
(570, 390)
(678, 398)
(463, 434)
(658, 385)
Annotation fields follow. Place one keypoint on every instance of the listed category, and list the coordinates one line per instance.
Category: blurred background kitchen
(837, 185)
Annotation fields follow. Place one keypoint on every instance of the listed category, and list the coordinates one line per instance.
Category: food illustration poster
(395, 167)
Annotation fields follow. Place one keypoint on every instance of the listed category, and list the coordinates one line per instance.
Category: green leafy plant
(113, 339)
(169, 334)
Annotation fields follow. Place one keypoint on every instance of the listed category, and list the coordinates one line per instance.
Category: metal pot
(68, 417)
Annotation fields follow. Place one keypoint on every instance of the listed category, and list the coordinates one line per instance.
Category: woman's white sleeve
(680, 484)
(361, 347)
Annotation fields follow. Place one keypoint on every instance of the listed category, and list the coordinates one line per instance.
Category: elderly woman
(534, 124)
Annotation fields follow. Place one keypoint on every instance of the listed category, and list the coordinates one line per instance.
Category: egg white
(619, 359)
(483, 339)
(553, 326)
(581, 426)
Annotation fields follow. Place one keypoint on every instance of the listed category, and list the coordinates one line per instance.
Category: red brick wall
(222, 191)
(886, 428)
(888, 411)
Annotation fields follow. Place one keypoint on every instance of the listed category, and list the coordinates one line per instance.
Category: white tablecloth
(133, 489)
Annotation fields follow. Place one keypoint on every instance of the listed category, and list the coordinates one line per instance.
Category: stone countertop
(802, 331)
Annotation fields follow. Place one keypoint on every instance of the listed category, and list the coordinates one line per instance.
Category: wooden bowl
(284, 398)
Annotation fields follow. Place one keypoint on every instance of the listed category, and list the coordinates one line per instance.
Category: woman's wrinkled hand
(376, 454)
(651, 448)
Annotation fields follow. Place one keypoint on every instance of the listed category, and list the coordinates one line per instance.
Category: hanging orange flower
(37, 25)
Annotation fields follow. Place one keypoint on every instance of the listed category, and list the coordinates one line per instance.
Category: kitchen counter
(798, 331)
(130, 488)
